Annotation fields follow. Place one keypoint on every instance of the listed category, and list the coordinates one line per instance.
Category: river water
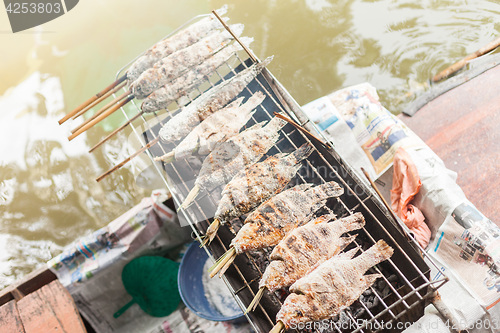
(48, 195)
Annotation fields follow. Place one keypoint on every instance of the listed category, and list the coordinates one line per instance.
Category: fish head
(295, 310)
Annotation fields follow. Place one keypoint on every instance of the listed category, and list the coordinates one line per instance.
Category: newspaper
(150, 224)
(376, 132)
(91, 270)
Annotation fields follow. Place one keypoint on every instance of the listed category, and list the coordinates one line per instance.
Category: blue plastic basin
(191, 286)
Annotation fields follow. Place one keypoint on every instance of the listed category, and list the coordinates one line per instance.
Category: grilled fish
(217, 128)
(258, 182)
(331, 287)
(228, 158)
(171, 67)
(279, 215)
(211, 101)
(254, 184)
(276, 217)
(308, 246)
(184, 38)
(179, 87)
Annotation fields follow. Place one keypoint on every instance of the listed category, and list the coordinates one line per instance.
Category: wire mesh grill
(398, 297)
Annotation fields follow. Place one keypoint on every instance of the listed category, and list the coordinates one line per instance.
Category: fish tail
(222, 10)
(237, 28)
(374, 255)
(260, 66)
(345, 241)
(246, 40)
(324, 191)
(275, 124)
(302, 152)
(253, 101)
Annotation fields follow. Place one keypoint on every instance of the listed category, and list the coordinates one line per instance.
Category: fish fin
(345, 241)
(347, 255)
(246, 40)
(222, 10)
(368, 280)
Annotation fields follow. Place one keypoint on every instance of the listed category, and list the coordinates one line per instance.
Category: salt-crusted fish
(181, 86)
(182, 39)
(217, 128)
(255, 184)
(273, 219)
(305, 248)
(331, 287)
(171, 67)
(211, 101)
(228, 158)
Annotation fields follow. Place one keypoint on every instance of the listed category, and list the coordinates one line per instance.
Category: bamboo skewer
(92, 99)
(302, 129)
(99, 100)
(125, 161)
(462, 63)
(236, 38)
(101, 110)
(100, 117)
(279, 327)
(110, 135)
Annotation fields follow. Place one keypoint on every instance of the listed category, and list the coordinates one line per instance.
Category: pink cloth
(405, 185)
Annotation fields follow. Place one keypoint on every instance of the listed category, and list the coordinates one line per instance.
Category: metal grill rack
(408, 294)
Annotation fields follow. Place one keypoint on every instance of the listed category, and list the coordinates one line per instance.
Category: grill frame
(411, 302)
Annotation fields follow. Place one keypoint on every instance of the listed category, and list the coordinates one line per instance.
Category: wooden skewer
(278, 328)
(101, 110)
(118, 166)
(302, 129)
(460, 64)
(99, 100)
(92, 99)
(100, 117)
(110, 135)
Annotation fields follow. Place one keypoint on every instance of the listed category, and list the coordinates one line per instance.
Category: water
(48, 195)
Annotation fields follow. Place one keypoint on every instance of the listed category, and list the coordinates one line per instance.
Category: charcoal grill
(405, 277)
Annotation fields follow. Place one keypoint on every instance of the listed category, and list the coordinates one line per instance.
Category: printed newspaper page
(469, 244)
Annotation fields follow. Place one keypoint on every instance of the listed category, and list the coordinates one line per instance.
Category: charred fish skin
(211, 101)
(218, 127)
(332, 286)
(306, 247)
(277, 216)
(184, 38)
(181, 86)
(258, 182)
(172, 66)
(246, 148)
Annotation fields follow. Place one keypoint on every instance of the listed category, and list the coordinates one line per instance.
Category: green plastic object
(152, 283)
